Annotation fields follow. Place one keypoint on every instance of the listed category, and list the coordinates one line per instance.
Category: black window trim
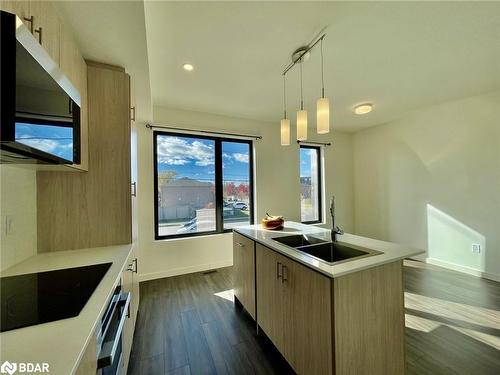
(320, 184)
(219, 220)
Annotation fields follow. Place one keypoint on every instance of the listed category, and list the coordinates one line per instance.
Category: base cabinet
(244, 272)
(294, 310)
(353, 324)
(130, 283)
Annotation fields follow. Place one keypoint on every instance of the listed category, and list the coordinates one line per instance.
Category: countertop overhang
(391, 252)
(62, 343)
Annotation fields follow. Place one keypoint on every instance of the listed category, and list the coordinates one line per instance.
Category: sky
(55, 140)
(306, 154)
(194, 158)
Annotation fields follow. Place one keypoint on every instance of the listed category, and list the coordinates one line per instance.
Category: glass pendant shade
(285, 132)
(323, 115)
(301, 125)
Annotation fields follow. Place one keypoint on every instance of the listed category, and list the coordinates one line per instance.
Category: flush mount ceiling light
(188, 67)
(299, 56)
(363, 109)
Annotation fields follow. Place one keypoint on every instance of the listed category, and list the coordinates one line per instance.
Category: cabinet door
(130, 284)
(308, 327)
(244, 272)
(70, 57)
(21, 8)
(46, 26)
(270, 295)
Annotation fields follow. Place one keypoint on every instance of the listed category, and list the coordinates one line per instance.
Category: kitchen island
(341, 317)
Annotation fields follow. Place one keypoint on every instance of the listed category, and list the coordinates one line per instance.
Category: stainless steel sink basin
(326, 251)
(298, 240)
(334, 252)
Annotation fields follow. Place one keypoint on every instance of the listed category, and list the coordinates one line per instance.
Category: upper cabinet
(46, 27)
(42, 19)
(21, 8)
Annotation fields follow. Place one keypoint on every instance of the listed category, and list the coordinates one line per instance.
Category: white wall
(432, 180)
(18, 202)
(277, 190)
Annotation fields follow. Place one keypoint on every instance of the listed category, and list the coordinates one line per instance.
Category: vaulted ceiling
(400, 56)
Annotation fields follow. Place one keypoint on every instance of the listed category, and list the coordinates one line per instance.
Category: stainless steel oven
(110, 334)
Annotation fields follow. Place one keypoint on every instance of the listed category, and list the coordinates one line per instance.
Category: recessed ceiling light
(188, 67)
(363, 109)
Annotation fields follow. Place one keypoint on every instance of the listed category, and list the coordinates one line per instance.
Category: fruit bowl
(273, 222)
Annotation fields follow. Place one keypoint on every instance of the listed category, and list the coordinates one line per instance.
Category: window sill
(192, 236)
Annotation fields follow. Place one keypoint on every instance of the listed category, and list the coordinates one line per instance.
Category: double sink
(329, 252)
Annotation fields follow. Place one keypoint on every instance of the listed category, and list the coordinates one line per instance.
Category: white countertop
(62, 343)
(391, 252)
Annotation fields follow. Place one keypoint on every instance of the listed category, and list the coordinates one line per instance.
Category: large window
(203, 184)
(310, 184)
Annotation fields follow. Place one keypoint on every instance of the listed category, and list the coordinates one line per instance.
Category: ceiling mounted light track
(299, 56)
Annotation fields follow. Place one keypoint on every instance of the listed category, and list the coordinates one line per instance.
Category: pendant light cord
(284, 95)
(322, 75)
(301, 95)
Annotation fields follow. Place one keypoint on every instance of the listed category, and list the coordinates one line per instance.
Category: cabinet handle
(240, 244)
(134, 189)
(39, 31)
(132, 116)
(283, 275)
(279, 270)
(31, 21)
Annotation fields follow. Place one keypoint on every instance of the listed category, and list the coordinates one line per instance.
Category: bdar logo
(8, 368)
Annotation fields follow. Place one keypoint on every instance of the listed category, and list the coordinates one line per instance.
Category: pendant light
(323, 104)
(285, 123)
(302, 114)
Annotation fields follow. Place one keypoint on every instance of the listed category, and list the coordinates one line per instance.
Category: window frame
(320, 183)
(219, 182)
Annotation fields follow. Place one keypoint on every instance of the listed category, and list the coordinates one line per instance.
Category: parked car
(240, 205)
(228, 210)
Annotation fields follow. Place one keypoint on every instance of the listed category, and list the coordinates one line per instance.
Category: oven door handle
(109, 347)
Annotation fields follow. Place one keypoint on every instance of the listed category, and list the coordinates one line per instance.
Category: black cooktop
(43, 297)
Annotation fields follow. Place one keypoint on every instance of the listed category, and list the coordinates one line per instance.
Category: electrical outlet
(476, 248)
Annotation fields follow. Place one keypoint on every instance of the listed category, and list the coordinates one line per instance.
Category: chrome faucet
(335, 229)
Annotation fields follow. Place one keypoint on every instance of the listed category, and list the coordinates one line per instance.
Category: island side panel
(369, 321)
(244, 272)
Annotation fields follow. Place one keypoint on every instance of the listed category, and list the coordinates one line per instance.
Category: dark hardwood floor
(189, 325)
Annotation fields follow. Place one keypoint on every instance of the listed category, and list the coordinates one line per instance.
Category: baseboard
(183, 270)
(463, 269)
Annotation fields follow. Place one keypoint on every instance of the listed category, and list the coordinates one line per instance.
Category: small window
(310, 184)
(203, 184)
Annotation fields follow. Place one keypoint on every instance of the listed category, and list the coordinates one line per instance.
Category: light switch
(476, 248)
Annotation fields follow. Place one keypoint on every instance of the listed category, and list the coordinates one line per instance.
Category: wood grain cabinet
(46, 26)
(294, 310)
(41, 18)
(244, 272)
(21, 8)
(353, 324)
(93, 209)
(130, 283)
